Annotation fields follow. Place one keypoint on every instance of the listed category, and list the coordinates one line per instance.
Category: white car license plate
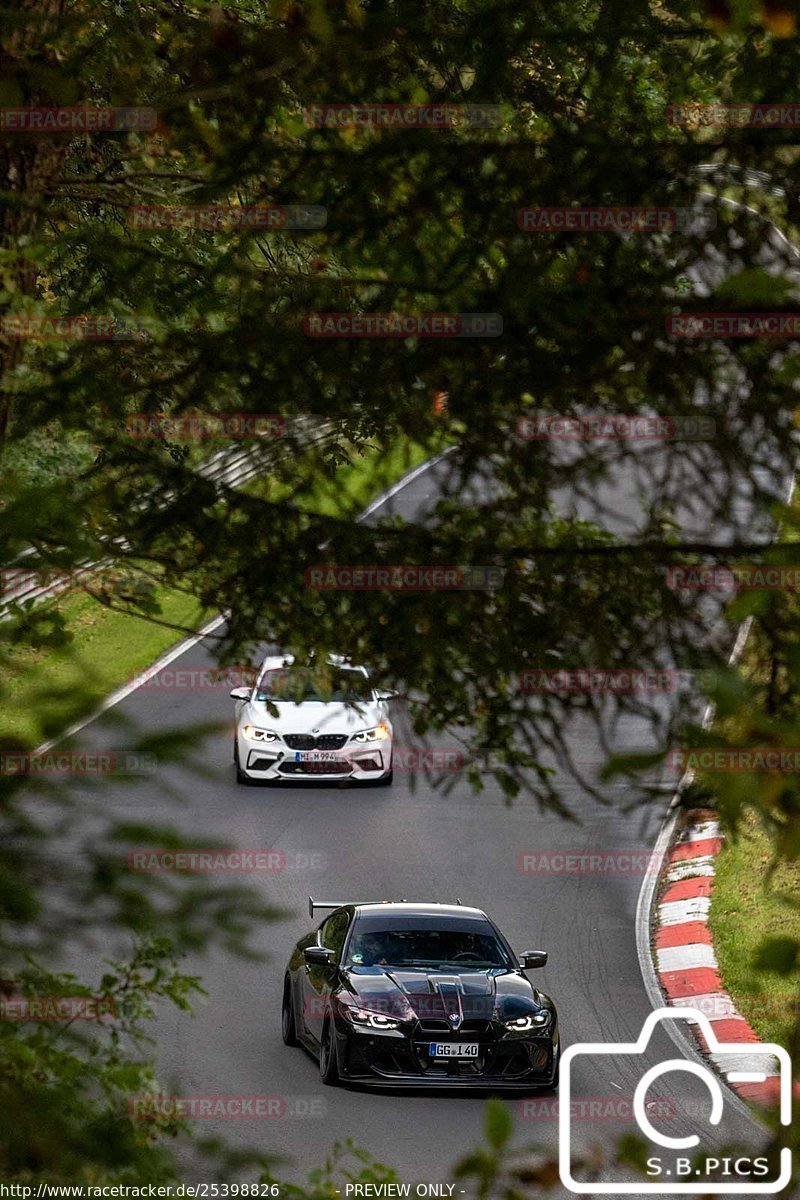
(316, 756)
(454, 1050)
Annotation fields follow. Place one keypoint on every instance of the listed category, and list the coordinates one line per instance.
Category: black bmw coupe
(400, 994)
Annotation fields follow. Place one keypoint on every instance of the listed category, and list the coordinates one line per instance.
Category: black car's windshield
(295, 685)
(429, 949)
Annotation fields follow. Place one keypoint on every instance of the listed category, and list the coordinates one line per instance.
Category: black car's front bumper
(401, 1058)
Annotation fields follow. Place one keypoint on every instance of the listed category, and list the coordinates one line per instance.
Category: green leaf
(499, 1124)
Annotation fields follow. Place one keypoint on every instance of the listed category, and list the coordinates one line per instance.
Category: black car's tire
(288, 1028)
(328, 1066)
(554, 1084)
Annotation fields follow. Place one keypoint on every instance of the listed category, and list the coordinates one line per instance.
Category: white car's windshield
(293, 685)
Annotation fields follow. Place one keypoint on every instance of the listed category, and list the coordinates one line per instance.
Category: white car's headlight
(379, 733)
(254, 734)
(531, 1021)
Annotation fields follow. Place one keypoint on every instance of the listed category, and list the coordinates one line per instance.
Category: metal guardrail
(730, 173)
(232, 467)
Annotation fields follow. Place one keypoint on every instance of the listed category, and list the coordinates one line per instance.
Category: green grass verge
(752, 924)
(355, 483)
(44, 689)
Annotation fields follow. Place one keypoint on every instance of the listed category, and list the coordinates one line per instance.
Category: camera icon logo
(741, 1060)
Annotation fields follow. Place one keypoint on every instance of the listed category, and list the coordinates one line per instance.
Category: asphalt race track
(405, 841)
(413, 841)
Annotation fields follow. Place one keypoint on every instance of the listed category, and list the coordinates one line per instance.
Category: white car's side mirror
(240, 693)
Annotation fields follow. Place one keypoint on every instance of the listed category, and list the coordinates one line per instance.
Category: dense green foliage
(418, 220)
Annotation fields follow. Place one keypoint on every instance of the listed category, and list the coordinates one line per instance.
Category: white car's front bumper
(275, 761)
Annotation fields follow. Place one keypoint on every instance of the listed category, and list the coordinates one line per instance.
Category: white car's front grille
(307, 741)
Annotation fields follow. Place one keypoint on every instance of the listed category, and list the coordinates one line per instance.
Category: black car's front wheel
(288, 1029)
(328, 1066)
(557, 1071)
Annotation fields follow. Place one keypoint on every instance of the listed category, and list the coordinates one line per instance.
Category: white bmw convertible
(289, 728)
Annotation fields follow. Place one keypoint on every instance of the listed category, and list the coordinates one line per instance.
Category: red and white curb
(686, 964)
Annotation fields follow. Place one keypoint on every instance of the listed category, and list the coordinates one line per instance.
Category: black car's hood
(437, 995)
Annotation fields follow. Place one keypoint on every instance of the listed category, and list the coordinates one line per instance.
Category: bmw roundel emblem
(453, 1017)
(315, 730)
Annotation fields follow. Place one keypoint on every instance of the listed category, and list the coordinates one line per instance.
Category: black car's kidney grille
(481, 1028)
(307, 741)
(479, 1031)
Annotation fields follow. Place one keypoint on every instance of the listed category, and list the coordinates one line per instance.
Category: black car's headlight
(254, 734)
(528, 1022)
(378, 733)
(371, 1020)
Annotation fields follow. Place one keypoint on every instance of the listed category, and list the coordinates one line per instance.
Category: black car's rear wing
(313, 905)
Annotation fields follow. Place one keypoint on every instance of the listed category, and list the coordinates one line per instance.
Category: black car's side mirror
(533, 958)
(318, 956)
(240, 693)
